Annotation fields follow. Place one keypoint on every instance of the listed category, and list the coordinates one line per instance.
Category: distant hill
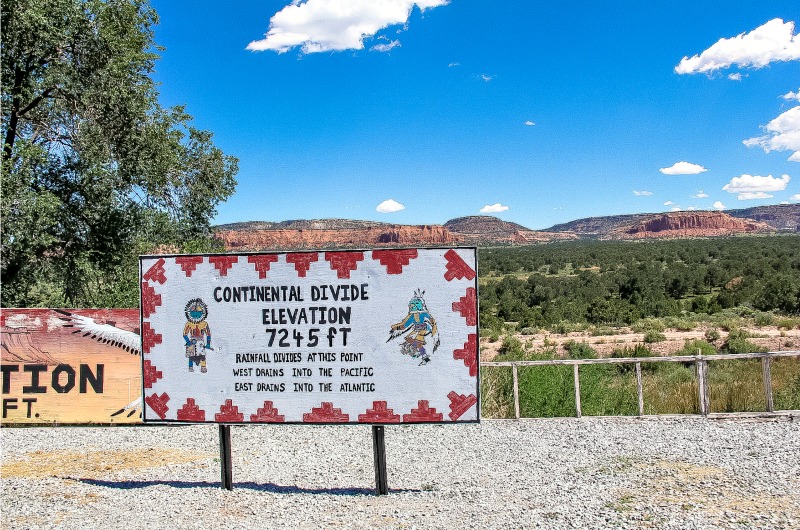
(485, 230)
(784, 218)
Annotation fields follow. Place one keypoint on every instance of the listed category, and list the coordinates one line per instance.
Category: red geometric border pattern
(150, 374)
(395, 260)
(469, 354)
(150, 300)
(459, 404)
(262, 263)
(423, 412)
(267, 414)
(229, 413)
(156, 272)
(466, 306)
(158, 404)
(456, 267)
(191, 412)
(302, 262)
(149, 337)
(325, 413)
(189, 263)
(223, 263)
(344, 262)
(379, 413)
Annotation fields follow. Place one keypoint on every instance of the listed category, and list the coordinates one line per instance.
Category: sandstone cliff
(688, 224)
(367, 236)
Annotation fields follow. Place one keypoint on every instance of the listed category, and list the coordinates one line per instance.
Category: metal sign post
(379, 453)
(225, 461)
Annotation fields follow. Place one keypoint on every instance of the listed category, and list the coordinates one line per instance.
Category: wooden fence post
(702, 384)
(577, 389)
(765, 365)
(516, 390)
(639, 388)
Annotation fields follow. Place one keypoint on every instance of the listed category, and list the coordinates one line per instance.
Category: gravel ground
(560, 473)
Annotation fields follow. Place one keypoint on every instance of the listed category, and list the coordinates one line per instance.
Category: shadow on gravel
(269, 488)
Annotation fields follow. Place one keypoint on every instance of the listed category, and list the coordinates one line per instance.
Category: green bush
(737, 343)
(512, 347)
(694, 347)
(579, 350)
(712, 335)
(648, 324)
(654, 336)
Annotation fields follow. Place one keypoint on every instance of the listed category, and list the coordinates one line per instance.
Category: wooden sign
(380, 336)
(70, 366)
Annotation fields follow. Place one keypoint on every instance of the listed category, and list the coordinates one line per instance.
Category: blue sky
(536, 112)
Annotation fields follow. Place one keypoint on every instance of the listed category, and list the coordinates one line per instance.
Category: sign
(380, 336)
(70, 366)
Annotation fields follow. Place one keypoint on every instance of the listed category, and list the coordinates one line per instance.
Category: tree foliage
(94, 170)
(619, 283)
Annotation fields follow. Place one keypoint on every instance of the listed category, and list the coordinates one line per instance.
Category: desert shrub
(711, 335)
(602, 331)
(648, 324)
(512, 347)
(579, 350)
(652, 336)
(693, 347)
(764, 319)
(786, 323)
(680, 324)
(637, 351)
(737, 343)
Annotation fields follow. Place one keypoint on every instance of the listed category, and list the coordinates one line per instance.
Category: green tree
(94, 170)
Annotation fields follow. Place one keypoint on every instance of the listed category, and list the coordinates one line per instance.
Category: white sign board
(374, 336)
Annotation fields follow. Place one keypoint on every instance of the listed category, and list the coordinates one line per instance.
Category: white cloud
(792, 95)
(683, 168)
(783, 134)
(669, 203)
(334, 25)
(494, 208)
(691, 208)
(389, 206)
(385, 47)
(795, 197)
(750, 195)
(719, 206)
(737, 76)
(642, 193)
(529, 123)
(486, 77)
(675, 209)
(700, 195)
(453, 64)
(755, 184)
(773, 41)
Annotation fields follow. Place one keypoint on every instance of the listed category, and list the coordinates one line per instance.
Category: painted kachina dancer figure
(196, 333)
(418, 324)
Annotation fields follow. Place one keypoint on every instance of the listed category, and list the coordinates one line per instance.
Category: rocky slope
(687, 224)
(487, 230)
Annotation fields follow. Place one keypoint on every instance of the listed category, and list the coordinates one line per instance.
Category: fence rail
(700, 361)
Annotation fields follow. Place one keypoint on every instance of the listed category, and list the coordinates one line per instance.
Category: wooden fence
(700, 361)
